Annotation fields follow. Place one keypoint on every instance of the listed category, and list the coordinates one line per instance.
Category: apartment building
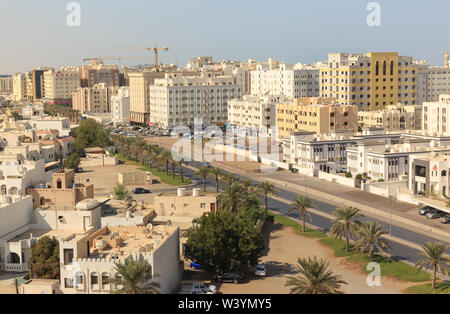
(370, 81)
(95, 99)
(393, 118)
(434, 117)
(292, 81)
(254, 112)
(140, 94)
(315, 114)
(430, 174)
(120, 106)
(60, 84)
(6, 84)
(432, 81)
(98, 72)
(177, 99)
(19, 87)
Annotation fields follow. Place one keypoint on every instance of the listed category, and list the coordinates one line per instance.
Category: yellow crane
(113, 58)
(154, 49)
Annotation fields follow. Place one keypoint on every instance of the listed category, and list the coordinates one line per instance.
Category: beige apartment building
(98, 72)
(370, 81)
(6, 84)
(19, 87)
(393, 118)
(315, 114)
(60, 84)
(140, 94)
(94, 99)
(434, 117)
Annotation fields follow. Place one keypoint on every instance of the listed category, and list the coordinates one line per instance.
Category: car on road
(433, 214)
(445, 219)
(141, 191)
(260, 271)
(424, 210)
(229, 277)
(206, 165)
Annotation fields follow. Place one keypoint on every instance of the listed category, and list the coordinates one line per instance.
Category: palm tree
(203, 173)
(134, 278)
(315, 278)
(345, 223)
(166, 156)
(267, 188)
(433, 255)
(301, 205)
(216, 173)
(180, 165)
(230, 178)
(233, 197)
(370, 238)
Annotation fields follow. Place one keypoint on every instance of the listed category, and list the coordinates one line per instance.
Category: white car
(260, 271)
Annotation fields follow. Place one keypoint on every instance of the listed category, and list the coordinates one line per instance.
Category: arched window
(3, 189)
(42, 201)
(13, 258)
(443, 173)
(392, 67)
(377, 68)
(384, 68)
(59, 184)
(105, 281)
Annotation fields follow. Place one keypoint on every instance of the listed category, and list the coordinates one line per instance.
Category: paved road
(397, 250)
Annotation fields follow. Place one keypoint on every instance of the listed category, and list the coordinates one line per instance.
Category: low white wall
(337, 179)
(304, 171)
(407, 198)
(279, 164)
(387, 189)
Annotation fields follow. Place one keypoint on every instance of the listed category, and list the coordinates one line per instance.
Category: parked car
(424, 210)
(433, 214)
(445, 219)
(229, 277)
(206, 165)
(141, 191)
(260, 271)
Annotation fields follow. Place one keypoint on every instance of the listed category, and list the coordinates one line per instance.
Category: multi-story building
(120, 106)
(393, 118)
(430, 174)
(95, 99)
(6, 84)
(314, 114)
(434, 117)
(432, 81)
(254, 112)
(292, 81)
(60, 84)
(97, 73)
(140, 94)
(370, 81)
(177, 100)
(19, 87)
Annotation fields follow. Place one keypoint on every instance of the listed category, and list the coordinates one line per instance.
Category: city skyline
(192, 30)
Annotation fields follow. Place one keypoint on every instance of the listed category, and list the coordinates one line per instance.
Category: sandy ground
(285, 247)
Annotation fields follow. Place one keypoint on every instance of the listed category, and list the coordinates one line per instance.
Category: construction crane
(155, 51)
(113, 58)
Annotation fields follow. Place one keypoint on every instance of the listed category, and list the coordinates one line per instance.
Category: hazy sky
(34, 32)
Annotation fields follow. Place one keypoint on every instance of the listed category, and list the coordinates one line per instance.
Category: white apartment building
(120, 106)
(6, 84)
(19, 87)
(434, 117)
(432, 81)
(177, 100)
(60, 84)
(254, 111)
(393, 118)
(53, 123)
(292, 81)
(371, 81)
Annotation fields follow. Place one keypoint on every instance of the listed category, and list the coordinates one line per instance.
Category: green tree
(135, 278)
(301, 205)
(230, 178)
(72, 161)
(345, 223)
(120, 192)
(370, 237)
(44, 260)
(433, 255)
(223, 242)
(315, 278)
(267, 189)
(203, 173)
(90, 134)
(216, 173)
(233, 197)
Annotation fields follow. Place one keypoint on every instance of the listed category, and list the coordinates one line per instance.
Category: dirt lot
(105, 178)
(285, 247)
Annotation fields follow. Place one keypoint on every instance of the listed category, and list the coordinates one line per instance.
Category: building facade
(120, 106)
(393, 118)
(434, 117)
(95, 99)
(6, 84)
(60, 84)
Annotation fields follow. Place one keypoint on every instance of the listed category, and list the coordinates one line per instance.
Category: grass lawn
(389, 267)
(159, 173)
(441, 288)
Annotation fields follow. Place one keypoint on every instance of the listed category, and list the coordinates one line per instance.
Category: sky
(35, 33)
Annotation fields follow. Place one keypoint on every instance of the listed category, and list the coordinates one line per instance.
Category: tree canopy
(72, 162)
(44, 261)
(90, 134)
